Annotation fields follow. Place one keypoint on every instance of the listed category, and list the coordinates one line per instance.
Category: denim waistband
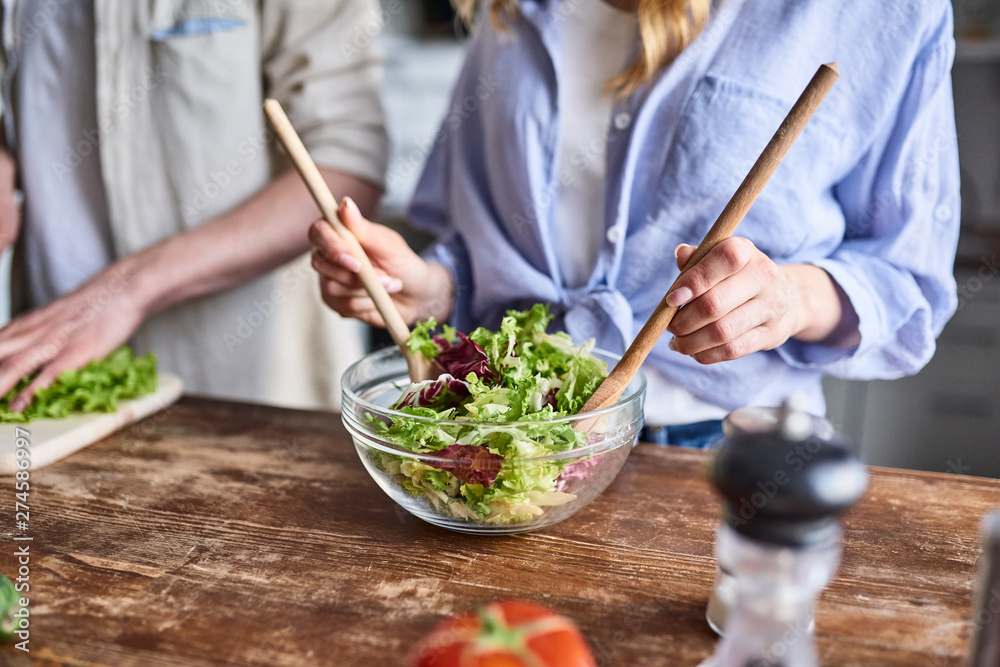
(698, 435)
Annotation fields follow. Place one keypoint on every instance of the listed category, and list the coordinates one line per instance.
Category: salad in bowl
(495, 442)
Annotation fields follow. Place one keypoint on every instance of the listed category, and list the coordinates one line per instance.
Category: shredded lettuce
(9, 606)
(497, 385)
(97, 387)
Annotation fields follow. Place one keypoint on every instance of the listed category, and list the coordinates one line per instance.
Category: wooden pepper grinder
(780, 536)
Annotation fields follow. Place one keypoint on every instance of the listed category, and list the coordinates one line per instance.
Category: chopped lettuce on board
(491, 379)
(97, 387)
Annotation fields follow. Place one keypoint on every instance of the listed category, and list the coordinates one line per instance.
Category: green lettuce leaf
(9, 605)
(97, 387)
(422, 339)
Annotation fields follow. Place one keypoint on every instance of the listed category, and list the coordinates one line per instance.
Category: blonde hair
(666, 27)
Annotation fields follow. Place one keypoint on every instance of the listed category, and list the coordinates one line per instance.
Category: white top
(597, 40)
(669, 403)
(67, 238)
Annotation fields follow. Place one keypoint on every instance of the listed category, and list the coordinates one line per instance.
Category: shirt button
(615, 235)
(622, 120)
(942, 213)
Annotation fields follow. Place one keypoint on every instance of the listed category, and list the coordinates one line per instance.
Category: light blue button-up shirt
(870, 192)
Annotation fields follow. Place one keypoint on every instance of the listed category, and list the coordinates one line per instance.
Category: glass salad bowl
(551, 469)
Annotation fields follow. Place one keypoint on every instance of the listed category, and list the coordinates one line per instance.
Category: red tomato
(511, 633)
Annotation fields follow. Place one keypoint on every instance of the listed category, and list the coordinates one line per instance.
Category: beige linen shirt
(182, 140)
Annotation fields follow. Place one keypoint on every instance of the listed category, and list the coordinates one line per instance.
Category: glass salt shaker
(780, 536)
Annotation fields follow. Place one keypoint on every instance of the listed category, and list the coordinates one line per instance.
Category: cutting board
(53, 439)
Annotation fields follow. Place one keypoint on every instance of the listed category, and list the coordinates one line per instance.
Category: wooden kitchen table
(227, 533)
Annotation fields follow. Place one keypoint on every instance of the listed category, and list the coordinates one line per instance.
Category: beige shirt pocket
(207, 111)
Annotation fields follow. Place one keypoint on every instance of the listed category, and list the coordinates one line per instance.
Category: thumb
(683, 253)
(353, 220)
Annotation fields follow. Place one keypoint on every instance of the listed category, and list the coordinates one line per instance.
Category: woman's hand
(736, 301)
(68, 333)
(420, 289)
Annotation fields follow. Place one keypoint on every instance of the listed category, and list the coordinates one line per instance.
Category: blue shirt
(870, 192)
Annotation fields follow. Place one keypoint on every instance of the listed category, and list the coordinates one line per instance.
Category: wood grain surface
(222, 533)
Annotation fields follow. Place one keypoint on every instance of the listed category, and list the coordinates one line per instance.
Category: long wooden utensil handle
(327, 203)
(728, 221)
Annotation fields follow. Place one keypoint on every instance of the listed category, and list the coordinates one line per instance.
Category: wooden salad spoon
(617, 380)
(418, 366)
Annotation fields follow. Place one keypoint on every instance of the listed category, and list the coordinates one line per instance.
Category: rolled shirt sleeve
(320, 63)
(902, 204)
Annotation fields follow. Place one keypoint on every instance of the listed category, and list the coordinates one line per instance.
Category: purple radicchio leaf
(462, 357)
(440, 394)
(579, 470)
(473, 464)
(550, 399)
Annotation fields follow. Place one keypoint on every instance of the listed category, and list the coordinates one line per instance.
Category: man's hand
(10, 214)
(736, 301)
(420, 289)
(68, 333)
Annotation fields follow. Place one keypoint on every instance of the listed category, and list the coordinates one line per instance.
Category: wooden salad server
(611, 389)
(419, 367)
